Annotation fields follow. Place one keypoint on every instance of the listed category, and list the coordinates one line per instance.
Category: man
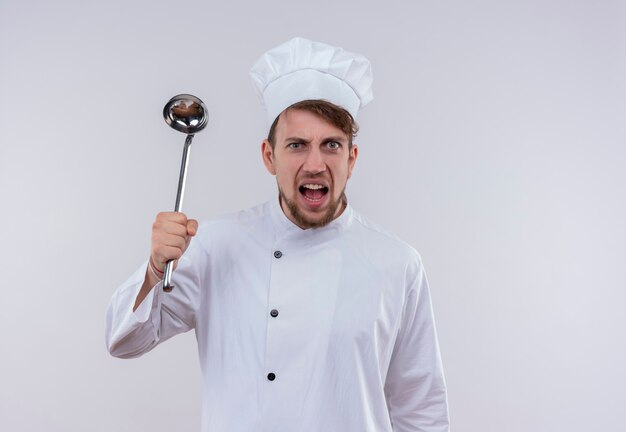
(308, 317)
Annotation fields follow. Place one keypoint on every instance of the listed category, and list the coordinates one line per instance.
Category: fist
(171, 234)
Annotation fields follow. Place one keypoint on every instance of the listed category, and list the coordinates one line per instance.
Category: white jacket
(326, 329)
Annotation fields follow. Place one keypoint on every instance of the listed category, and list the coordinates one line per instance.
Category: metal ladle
(187, 114)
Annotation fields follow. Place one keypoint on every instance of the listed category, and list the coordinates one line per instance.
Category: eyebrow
(327, 139)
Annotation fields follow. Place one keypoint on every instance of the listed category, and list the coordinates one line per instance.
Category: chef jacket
(326, 329)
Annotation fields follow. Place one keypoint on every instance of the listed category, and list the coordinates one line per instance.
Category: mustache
(314, 177)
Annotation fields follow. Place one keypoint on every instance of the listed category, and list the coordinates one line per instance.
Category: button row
(274, 313)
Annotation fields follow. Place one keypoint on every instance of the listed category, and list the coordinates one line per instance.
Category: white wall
(495, 145)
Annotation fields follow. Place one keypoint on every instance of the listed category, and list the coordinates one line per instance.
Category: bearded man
(308, 316)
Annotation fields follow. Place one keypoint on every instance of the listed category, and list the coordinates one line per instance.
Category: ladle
(187, 114)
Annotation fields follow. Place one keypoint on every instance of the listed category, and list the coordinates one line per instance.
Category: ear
(268, 157)
(354, 152)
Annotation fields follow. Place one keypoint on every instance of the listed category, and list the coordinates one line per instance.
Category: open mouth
(313, 192)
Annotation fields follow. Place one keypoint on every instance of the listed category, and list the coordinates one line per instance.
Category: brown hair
(333, 114)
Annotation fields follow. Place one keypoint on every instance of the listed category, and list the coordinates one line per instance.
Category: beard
(304, 222)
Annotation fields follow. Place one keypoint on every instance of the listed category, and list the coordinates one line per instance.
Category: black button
(271, 376)
(274, 313)
(278, 254)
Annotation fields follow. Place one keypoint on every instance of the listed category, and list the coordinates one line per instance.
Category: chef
(308, 316)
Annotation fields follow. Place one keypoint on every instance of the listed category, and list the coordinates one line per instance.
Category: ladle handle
(167, 277)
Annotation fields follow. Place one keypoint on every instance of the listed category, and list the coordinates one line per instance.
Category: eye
(333, 145)
(295, 145)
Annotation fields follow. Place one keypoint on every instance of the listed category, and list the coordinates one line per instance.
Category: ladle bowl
(186, 113)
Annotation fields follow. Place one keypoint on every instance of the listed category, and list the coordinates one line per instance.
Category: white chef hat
(301, 69)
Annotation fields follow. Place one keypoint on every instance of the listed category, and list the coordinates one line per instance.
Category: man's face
(312, 164)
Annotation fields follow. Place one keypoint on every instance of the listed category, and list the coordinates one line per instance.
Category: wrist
(155, 270)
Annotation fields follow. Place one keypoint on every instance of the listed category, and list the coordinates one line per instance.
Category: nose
(314, 162)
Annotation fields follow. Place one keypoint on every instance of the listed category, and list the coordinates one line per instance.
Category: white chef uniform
(328, 329)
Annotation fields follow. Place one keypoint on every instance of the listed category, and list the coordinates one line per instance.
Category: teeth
(313, 186)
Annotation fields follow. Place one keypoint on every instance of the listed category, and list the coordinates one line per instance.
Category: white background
(495, 145)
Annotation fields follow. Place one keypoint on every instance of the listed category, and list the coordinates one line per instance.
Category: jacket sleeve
(161, 315)
(415, 387)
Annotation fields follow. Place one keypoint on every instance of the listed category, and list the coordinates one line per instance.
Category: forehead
(305, 124)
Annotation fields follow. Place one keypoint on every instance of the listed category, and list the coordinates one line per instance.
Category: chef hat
(301, 69)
